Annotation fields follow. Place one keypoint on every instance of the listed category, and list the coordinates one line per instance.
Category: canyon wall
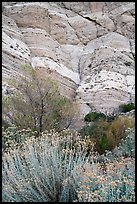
(88, 47)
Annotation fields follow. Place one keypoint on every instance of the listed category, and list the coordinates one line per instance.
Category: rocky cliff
(88, 47)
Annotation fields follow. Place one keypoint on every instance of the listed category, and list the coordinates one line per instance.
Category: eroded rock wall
(88, 47)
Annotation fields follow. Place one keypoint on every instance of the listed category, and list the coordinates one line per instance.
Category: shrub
(127, 107)
(126, 147)
(104, 143)
(97, 134)
(107, 135)
(115, 182)
(42, 170)
(13, 137)
(117, 130)
(94, 116)
(95, 129)
(39, 171)
(66, 139)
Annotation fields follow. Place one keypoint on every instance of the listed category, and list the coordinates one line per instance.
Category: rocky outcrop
(108, 74)
(88, 47)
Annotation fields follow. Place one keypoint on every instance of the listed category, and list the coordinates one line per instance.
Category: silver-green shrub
(114, 182)
(113, 177)
(127, 145)
(55, 168)
(41, 171)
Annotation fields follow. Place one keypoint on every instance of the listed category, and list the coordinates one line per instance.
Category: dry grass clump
(117, 130)
(107, 135)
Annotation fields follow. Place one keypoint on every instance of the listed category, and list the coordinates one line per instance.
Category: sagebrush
(54, 168)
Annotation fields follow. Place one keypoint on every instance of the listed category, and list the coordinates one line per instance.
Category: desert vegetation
(44, 161)
(54, 167)
(106, 133)
(36, 103)
(127, 107)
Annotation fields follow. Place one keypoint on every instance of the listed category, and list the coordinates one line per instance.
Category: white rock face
(14, 50)
(88, 47)
(108, 71)
(53, 66)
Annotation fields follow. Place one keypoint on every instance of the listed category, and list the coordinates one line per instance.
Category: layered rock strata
(88, 47)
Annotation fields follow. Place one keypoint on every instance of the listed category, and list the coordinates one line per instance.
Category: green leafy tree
(36, 103)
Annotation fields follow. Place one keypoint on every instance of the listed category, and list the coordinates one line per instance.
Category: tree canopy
(36, 103)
